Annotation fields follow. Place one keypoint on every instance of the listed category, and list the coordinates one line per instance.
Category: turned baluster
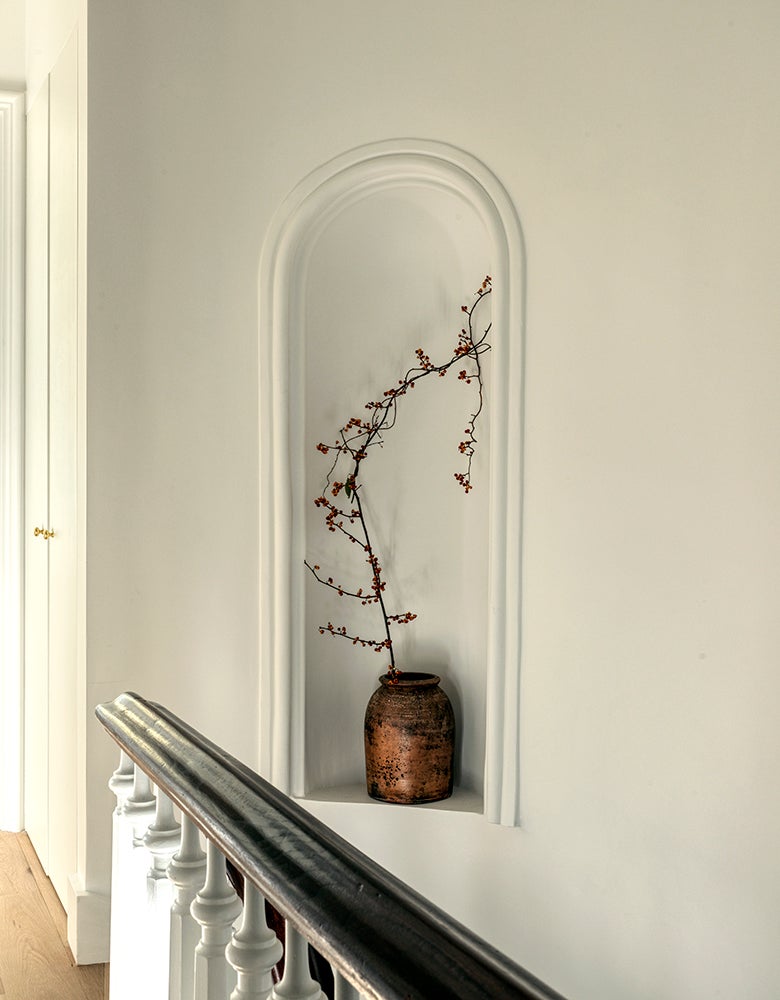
(187, 872)
(343, 990)
(121, 781)
(162, 837)
(215, 908)
(140, 806)
(254, 950)
(296, 983)
(130, 861)
(121, 784)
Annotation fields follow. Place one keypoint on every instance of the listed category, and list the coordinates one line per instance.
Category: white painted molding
(11, 453)
(304, 214)
(88, 923)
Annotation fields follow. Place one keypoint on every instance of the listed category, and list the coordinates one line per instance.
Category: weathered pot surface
(409, 740)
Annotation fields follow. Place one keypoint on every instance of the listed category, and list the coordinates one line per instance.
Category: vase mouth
(410, 679)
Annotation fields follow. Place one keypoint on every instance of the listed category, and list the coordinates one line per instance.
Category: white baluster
(123, 892)
(187, 872)
(254, 950)
(121, 781)
(162, 837)
(215, 908)
(129, 902)
(296, 983)
(140, 805)
(342, 989)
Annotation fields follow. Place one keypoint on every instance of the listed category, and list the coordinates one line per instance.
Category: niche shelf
(371, 256)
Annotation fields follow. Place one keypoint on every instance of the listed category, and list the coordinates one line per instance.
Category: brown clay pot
(409, 740)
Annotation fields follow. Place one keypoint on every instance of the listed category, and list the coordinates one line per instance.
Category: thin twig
(358, 435)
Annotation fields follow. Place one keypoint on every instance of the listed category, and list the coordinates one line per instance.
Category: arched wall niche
(370, 256)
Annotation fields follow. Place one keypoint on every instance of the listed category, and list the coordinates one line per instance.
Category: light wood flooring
(35, 961)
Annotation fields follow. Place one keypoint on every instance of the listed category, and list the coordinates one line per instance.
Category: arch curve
(300, 220)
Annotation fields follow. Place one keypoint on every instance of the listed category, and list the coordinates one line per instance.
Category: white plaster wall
(639, 143)
(49, 25)
(12, 72)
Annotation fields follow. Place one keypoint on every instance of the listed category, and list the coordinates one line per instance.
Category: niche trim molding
(293, 231)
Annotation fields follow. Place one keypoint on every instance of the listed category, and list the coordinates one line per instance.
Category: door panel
(36, 637)
(63, 256)
(51, 684)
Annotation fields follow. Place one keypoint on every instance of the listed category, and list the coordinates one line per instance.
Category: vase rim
(410, 679)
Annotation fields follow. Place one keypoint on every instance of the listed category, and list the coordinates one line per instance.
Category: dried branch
(359, 435)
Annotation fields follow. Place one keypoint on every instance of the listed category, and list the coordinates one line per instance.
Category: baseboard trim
(88, 923)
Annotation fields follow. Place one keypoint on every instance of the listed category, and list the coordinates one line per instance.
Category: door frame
(12, 167)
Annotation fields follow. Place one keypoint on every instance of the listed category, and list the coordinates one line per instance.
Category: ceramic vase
(409, 740)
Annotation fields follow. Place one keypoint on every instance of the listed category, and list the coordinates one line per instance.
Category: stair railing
(382, 939)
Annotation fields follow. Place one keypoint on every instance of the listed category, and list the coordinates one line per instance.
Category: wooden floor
(35, 961)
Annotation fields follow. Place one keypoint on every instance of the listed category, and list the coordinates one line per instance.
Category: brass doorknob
(45, 532)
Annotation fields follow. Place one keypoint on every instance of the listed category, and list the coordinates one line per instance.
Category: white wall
(49, 25)
(12, 71)
(639, 143)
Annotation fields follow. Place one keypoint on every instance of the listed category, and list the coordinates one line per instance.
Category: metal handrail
(386, 939)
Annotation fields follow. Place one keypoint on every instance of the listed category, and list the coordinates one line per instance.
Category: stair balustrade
(187, 872)
(190, 937)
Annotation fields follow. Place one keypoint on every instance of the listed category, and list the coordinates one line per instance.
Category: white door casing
(11, 463)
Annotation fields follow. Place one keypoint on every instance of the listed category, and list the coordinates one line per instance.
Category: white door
(51, 662)
(63, 256)
(36, 638)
